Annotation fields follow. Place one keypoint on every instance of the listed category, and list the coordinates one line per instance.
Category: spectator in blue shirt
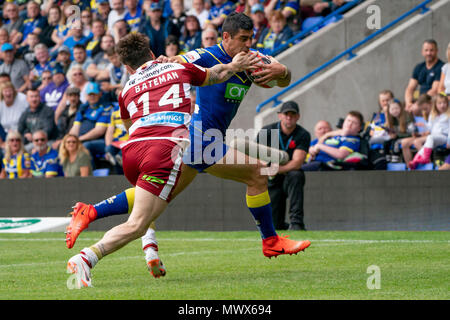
(275, 35)
(44, 160)
(35, 22)
(218, 12)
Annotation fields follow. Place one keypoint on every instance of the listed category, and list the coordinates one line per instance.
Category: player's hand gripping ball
(265, 60)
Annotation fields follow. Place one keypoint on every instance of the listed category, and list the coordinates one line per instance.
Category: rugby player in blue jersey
(215, 108)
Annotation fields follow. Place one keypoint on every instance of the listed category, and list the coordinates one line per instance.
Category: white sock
(150, 245)
(90, 255)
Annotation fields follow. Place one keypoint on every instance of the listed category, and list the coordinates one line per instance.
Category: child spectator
(172, 46)
(444, 83)
(438, 126)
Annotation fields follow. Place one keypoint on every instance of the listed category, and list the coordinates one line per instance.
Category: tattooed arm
(222, 72)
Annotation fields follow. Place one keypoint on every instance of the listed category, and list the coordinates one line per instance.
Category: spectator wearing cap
(91, 122)
(157, 28)
(333, 148)
(198, 10)
(134, 15)
(277, 34)
(17, 69)
(63, 58)
(66, 112)
(13, 23)
(52, 94)
(218, 12)
(117, 13)
(34, 23)
(259, 22)
(289, 181)
(426, 75)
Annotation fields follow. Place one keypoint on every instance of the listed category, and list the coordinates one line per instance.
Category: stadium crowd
(60, 77)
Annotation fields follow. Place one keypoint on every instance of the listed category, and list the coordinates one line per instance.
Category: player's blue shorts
(204, 150)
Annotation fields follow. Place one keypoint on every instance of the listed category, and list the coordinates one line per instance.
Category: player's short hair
(134, 50)
(431, 41)
(235, 22)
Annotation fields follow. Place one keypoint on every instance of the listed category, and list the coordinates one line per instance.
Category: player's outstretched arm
(222, 72)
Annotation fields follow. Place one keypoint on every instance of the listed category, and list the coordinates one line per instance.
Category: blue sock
(261, 210)
(118, 204)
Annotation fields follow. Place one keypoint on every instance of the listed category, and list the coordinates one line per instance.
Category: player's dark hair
(134, 50)
(235, 22)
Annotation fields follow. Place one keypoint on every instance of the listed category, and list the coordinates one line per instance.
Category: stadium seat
(101, 172)
(396, 166)
(426, 166)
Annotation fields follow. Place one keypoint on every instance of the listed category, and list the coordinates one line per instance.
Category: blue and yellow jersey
(120, 132)
(91, 46)
(223, 11)
(15, 167)
(216, 105)
(62, 30)
(134, 21)
(88, 117)
(47, 165)
(29, 25)
(349, 143)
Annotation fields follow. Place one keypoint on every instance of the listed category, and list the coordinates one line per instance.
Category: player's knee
(258, 177)
(136, 229)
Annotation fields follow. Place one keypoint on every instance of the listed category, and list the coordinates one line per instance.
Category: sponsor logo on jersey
(235, 92)
(172, 119)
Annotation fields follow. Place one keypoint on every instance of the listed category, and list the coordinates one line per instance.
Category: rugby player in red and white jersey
(155, 107)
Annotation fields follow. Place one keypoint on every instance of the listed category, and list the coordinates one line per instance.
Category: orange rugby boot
(276, 245)
(82, 215)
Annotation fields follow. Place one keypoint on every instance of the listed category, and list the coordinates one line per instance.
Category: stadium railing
(276, 98)
(334, 16)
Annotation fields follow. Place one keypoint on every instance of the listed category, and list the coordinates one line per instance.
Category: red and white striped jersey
(157, 99)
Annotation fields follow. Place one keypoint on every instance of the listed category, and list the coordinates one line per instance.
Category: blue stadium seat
(101, 172)
(426, 166)
(396, 166)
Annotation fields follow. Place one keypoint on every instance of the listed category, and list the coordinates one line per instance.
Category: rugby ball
(265, 60)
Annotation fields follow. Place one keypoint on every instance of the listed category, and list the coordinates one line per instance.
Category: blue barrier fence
(276, 98)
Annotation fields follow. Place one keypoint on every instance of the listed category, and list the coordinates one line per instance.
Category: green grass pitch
(230, 266)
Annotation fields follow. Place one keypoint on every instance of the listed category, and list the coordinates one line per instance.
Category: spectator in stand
(59, 35)
(80, 58)
(44, 160)
(192, 35)
(43, 63)
(86, 19)
(98, 69)
(116, 135)
(134, 16)
(34, 23)
(52, 94)
(4, 37)
(37, 117)
(78, 78)
(117, 13)
(290, 10)
(275, 35)
(12, 105)
(399, 125)
(259, 22)
(172, 46)
(66, 111)
(218, 12)
(438, 127)
(27, 51)
(16, 68)
(426, 75)
(424, 104)
(13, 23)
(334, 147)
(117, 74)
(378, 122)
(46, 79)
(74, 157)
(444, 83)
(16, 161)
(102, 11)
(157, 29)
(322, 127)
(120, 30)
(209, 37)
(325, 7)
(178, 16)
(76, 38)
(198, 10)
(92, 121)
(54, 20)
(289, 181)
(63, 58)
(98, 31)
